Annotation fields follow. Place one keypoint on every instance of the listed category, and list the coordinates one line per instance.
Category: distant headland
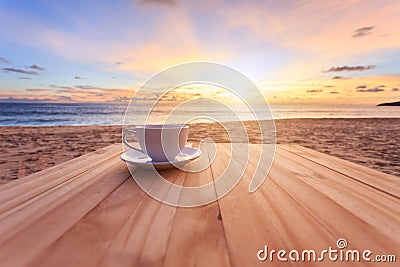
(393, 104)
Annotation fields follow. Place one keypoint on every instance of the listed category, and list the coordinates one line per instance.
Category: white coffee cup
(160, 142)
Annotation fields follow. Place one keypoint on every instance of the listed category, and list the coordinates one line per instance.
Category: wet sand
(370, 142)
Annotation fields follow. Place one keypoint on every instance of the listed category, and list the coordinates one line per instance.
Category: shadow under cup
(162, 142)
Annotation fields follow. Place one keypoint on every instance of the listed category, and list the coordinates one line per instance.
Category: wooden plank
(294, 224)
(21, 190)
(269, 216)
(101, 217)
(294, 227)
(156, 242)
(147, 219)
(30, 228)
(336, 213)
(66, 164)
(246, 221)
(363, 200)
(19, 217)
(86, 242)
(197, 237)
(367, 176)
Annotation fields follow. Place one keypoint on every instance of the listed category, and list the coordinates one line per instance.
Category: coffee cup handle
(127, 143)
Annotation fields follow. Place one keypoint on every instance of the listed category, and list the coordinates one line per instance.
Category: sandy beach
(369, 142)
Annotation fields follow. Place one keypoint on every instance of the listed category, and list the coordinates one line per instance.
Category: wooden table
(90, 212)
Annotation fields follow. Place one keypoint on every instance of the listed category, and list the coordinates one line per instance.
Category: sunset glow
(336, 52)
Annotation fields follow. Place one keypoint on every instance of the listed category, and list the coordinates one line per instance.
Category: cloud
(395, 89)
(64, 98)
(20, 71)
(334, 92)
(81, 90)
(140, 52)
(350, 68)
(88, 87)
(339, 78)
(58, 86)
(4, 60)
(119, 63)
(315, 91)
(329, 86)
(24, 100)
(36, 67)
(156, 2)
(24, 78)
(361, 87)
(67, 90)
(371, 90)
(36, 90)
(152, 98)
(79, 78)
(361, 32)
(54, 93)
(125, 98)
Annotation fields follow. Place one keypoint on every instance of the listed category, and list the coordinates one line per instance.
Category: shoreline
(245, 121)
(367, 141)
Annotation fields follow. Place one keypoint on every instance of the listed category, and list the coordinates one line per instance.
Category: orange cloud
(361, 90)
(71, 94)
(319, 26)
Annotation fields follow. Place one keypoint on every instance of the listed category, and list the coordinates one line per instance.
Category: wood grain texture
(373, 178)
(90, 212)
(86, 241)
(28, 229)
(372, 206)
(21, 190)
(150, 217)
(336, 214)
(197, 229)
(250, 220)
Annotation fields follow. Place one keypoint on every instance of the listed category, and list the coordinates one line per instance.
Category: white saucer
(141, 160)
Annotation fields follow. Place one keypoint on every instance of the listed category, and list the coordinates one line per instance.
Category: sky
(329, 52)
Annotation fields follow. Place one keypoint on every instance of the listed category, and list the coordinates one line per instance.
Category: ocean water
(29, 114)
(35, 114)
